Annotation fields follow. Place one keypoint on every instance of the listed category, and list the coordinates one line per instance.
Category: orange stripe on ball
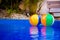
(43, 20)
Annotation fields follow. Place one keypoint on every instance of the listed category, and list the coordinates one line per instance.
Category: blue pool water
(22, 30)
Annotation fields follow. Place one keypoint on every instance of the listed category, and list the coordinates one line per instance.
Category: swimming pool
(12, 29)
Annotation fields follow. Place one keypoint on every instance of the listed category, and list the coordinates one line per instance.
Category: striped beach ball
(47, 19)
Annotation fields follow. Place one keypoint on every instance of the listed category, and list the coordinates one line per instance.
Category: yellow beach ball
(34, 19)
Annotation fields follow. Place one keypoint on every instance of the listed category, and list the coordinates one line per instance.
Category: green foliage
(9, 11)
(12, 5)
(0, 1)
(34, 1)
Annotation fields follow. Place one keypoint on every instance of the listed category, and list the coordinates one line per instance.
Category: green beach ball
(47, 19)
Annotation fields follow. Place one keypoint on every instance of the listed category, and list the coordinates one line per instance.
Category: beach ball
(47, 19)
(34, 20)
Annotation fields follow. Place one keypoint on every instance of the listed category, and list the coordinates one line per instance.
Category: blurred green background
(19, 6)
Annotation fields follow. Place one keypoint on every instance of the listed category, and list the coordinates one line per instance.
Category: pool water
(12, 29)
